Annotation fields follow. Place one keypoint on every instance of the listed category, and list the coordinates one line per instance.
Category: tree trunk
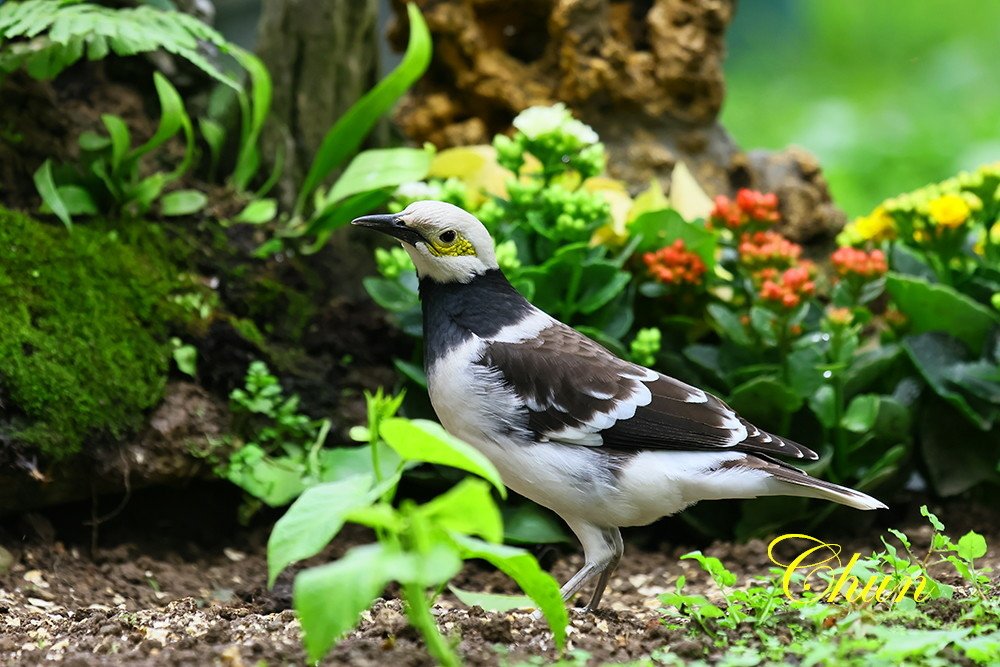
(323, 56)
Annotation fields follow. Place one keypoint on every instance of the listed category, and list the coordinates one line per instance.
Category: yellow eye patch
(457, 248)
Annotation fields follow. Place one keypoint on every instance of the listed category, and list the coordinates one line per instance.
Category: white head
(446, 243)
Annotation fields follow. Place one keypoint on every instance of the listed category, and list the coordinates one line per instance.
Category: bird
(603, 442)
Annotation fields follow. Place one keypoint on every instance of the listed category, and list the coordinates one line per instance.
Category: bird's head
(446, 243)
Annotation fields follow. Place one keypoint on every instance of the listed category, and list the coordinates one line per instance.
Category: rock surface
(646, 74)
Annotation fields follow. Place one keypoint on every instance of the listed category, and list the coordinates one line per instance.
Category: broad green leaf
(352, 128)
(528, 523)
(426, 441)
(941, 360)
(379, 168)
(861, 413)
(524, 569)
(661, 228)
(258, 212)
(334, 217)
(50, 194)
(78, 200)
(935, 307)
(728, 324)
(412, 371)
(765, 401)
(467, 508)
(869, 367)
(330, 598)
(492, 601)
(314, 519)
(93, 142)
(182, 202)
(390, 294)
(972, 545)
(602, 282)
(336, 463)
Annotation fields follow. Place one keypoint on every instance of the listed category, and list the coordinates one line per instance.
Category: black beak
(392, 225)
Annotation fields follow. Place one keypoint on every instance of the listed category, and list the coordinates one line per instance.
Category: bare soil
(173, 581)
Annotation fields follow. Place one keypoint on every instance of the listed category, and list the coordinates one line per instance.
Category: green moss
(83, 334)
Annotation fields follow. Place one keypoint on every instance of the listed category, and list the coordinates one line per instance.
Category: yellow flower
(877, 226)
(949, 211)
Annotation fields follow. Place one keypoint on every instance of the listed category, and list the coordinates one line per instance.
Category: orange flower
(851, 262)
(674, 264)
(788, 291)
(768, 249)
(748, 207)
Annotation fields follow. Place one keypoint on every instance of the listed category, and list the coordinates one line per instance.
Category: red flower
(750, 206)
(788, 291)
(851, 262)
(674, 264)
(768, 249)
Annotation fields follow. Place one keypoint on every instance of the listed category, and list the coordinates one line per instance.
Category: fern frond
(47, 36)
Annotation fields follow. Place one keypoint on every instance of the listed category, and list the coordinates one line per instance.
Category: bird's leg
(602, 580)
(602, 549)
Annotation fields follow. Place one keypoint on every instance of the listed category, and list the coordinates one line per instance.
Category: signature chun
(825, 557)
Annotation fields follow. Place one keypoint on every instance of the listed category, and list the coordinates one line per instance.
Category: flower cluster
(748, 208)
(451, 190)
(949, 210)
(559, 141)
(675, 264)
(853, 263)
(875, 227)
(645, 346)
(789, 289)
(768, 249)
(393, 262)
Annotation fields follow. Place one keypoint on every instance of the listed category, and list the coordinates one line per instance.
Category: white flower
(584, 133)
(417, 190)
(536, 121)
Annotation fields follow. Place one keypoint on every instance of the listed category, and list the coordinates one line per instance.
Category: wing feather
(577, 392)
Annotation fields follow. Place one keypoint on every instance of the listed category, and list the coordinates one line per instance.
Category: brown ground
(173, 583)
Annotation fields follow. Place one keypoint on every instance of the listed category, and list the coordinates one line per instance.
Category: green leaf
(528, 523)
(50, 194)
(765, 401)
(121, 140)
(215, 136)
(379, 168)
(661, 228)
(412, 371)
(351, 128)
(336, 463)
(602, 282)
(315, 518)
(728, 324)
(427, 442)
(714, 567)
(935, 307)
(935, 522)
(524, 569)
(957, 454)
(824, 406)
(78, 200)
(329, 599)
(172, 116)
(186, 357)
(390, 294)
(334, 217)
(258, 212)
(255, 113)
(861, 413)
(941, 360)
(972, 545)
(492, 601)
(182, 202)
(466, 508)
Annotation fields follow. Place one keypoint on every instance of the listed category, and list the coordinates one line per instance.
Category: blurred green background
(889, 95)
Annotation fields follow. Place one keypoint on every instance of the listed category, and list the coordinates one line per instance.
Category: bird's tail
(810, 487)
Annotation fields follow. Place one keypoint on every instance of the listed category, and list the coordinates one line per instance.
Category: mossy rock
(83, 334)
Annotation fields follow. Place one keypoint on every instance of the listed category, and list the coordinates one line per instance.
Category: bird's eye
(447, 236)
